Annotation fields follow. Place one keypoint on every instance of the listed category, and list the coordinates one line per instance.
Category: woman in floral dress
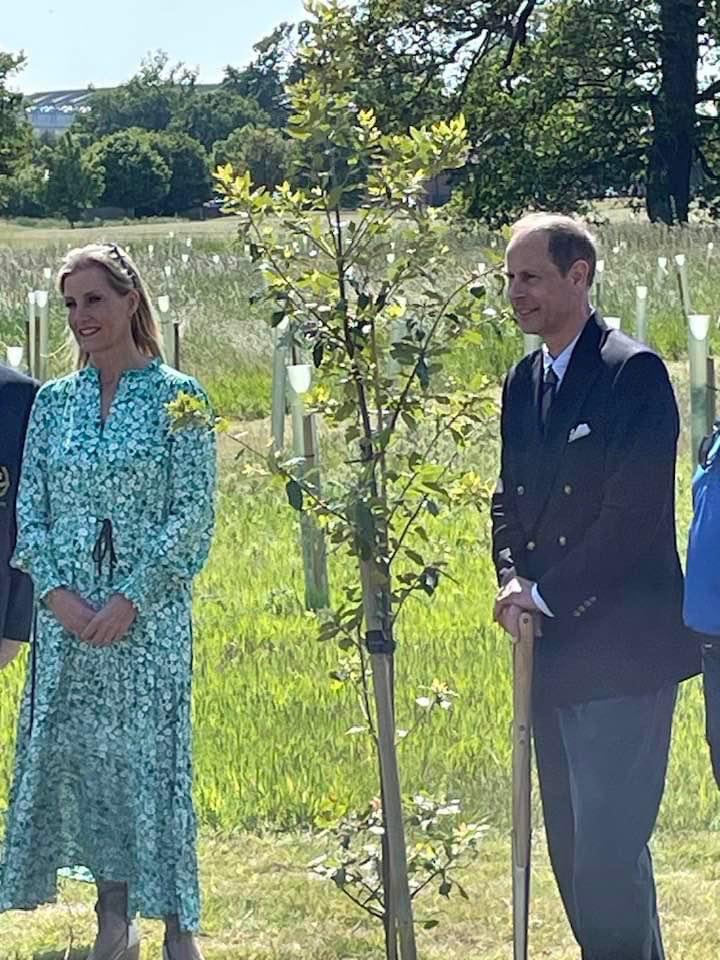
(115, 518)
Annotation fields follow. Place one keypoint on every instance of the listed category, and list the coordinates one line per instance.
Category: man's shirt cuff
(539, 602)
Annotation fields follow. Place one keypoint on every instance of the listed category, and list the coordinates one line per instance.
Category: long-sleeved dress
(103, 774)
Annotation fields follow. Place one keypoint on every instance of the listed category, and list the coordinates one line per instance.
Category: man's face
(545, 302)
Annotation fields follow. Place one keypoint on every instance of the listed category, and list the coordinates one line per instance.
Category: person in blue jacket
(702, 584)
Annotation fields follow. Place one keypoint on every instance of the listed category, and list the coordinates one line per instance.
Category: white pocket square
(581, 430)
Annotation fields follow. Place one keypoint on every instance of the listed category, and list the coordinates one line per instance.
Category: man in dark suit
(584, 537)
(16, 592)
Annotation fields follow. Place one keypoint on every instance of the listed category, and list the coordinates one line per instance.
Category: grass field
(260, 905)
(272, 752)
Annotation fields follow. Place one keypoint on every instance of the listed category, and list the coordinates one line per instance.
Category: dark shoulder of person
(621, 355)
(16, 388)
(618, 348)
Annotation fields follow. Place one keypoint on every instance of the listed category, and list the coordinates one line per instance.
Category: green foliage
(416, 55)
(136, 174)
(442, 847)
(75, 181)
(14, 129)
(148, 101)
(189, 183)
(212, 116)
(189, 412)
(264, 79)
(551, 125)
(380, 330)
(26, 192)
(264, 152)
(556, 128)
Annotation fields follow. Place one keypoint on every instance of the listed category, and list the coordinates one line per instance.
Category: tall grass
(271, 740)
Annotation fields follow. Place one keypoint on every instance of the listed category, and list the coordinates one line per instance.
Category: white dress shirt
(560, 362)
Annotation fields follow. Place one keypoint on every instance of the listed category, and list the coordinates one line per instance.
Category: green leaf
(461, 890)
(415, 557)
(294, 494)
(423, 374)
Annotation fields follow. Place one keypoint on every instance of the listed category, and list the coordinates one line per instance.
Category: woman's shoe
(179, 944)
(117, 938)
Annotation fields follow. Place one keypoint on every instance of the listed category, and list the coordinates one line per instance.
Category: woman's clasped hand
(97, 628)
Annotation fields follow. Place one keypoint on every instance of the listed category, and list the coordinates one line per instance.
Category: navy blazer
(588, 511)
(16, 592)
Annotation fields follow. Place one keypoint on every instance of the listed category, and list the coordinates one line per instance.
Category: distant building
(53, 113)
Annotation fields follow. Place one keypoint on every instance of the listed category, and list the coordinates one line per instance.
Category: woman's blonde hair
(124, 277)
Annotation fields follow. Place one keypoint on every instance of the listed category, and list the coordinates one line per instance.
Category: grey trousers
(601, 767)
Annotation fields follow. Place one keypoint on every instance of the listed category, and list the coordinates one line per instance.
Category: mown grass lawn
(260, 904)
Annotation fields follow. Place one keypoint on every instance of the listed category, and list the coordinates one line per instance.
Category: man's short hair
(568, 240)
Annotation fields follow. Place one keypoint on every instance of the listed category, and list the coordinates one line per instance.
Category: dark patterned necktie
(547, 395)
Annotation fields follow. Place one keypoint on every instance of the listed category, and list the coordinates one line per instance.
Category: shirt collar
(561, 361)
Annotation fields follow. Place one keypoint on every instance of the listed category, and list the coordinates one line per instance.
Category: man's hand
(70, 610)
(506, 574)
(111, 623)
(9, 649)
(517, 592)
(509, 620)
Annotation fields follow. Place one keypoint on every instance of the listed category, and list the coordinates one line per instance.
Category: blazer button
(562, 541)
(520, 490)
(567, 489)
(530, 545)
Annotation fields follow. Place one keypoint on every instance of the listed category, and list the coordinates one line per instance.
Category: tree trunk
(673, 110)
(377, 592)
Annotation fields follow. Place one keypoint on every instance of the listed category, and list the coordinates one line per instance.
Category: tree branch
(709, 93)
(520, 32)
(706, 168)
(358, 902)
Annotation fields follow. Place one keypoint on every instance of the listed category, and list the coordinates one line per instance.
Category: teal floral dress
(103, 776)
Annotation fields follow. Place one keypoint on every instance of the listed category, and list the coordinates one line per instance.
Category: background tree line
(150, 145)
(566, 101)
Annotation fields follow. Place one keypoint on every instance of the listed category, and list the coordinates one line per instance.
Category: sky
(70, 44)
